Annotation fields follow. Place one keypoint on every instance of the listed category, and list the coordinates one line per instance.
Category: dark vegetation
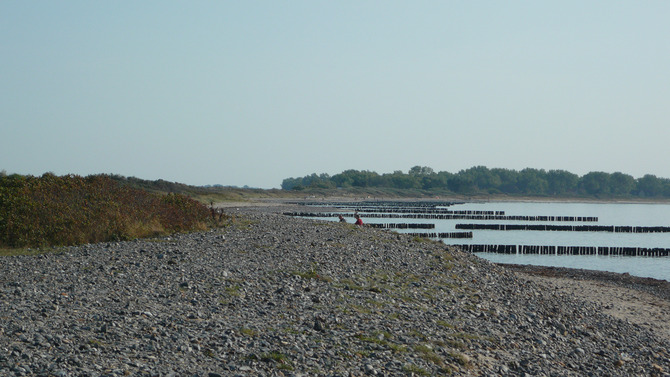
(68, 210)
(480, 180)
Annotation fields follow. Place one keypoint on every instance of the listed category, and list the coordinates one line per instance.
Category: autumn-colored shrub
(68, 210)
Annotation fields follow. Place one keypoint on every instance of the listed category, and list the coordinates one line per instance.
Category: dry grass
(72, 210)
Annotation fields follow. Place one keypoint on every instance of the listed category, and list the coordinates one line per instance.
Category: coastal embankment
(271, 295)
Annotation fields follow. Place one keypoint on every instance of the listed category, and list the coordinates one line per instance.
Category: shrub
(70, 210)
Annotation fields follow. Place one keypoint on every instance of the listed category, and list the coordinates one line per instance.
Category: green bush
(70, 210)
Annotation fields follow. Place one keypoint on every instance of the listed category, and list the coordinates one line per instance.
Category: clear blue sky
(252, 92)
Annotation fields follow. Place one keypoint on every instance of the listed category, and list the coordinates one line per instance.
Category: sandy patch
(634, 305)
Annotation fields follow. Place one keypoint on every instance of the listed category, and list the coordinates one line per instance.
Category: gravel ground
(656, 287)
(271, 295)
(642, 301)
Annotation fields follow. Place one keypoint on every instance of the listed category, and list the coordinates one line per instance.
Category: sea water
(618, 214)
(622, 214)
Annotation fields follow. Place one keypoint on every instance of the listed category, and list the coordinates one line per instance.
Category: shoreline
(336, 198)
(269, 295)
(640, 297)
(656, 287)
(642, 301)
(470, 199)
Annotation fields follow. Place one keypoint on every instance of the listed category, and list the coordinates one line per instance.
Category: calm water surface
(607, 213)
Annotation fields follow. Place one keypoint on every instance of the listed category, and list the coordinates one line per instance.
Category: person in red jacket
(358, 220)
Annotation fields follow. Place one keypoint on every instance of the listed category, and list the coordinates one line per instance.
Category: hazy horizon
(251, 93)
(3, 171)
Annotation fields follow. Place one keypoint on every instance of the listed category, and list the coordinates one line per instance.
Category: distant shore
(279, 201)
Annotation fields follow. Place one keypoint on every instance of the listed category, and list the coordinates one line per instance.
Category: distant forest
(480, 180)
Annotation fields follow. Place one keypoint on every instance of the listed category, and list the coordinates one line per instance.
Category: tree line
(482, 180)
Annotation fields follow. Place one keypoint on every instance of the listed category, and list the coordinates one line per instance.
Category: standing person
(358, 220)
(342, 220)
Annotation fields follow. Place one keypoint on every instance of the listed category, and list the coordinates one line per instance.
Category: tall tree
(420, 171)
(621, 184)
(649, 186)
(596, 183)
(533, 181)
(508, 180)
(561, 182)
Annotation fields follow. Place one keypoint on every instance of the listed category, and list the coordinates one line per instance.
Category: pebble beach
(271, 295)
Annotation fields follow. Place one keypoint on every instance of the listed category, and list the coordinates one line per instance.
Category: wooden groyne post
(567, 250)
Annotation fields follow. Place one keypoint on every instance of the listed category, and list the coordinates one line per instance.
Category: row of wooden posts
(380, 203)
(426, 210)
(442, 235)
(567, 250)
(567, 228)
(402, 226)
(429, 216)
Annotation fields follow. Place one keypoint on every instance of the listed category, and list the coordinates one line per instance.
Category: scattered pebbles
(278, 296)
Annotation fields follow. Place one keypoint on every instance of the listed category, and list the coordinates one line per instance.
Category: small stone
(319, 325)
